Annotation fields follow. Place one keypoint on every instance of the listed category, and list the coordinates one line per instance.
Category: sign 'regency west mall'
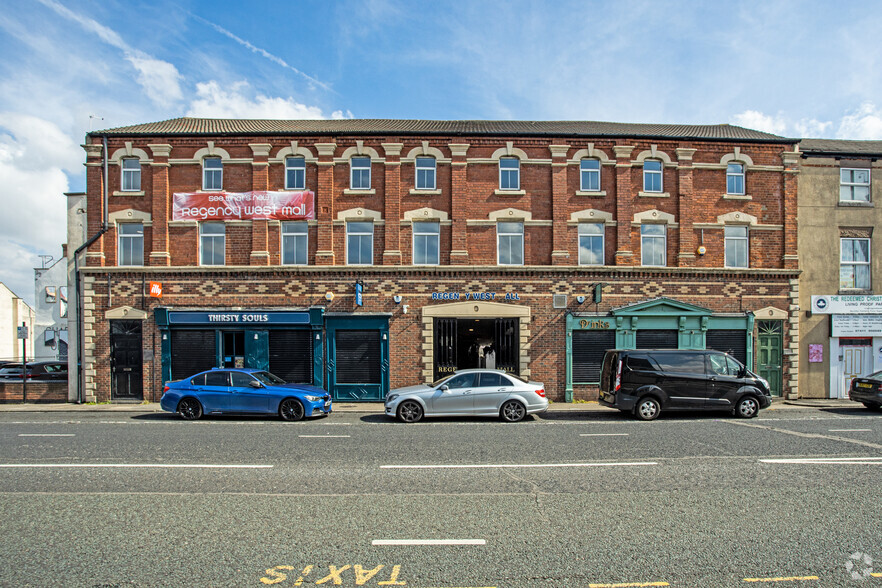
(206, 206)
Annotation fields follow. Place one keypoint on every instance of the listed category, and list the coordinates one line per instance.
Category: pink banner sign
(206, 206)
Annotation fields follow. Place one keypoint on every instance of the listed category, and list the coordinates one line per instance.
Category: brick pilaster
(790, 257)
(392, 212)
(560, 254)
(459, 196)
(685, 206)
(624, 207)
(324, 205)
(260, 183)
(160, 213)
(95, 201)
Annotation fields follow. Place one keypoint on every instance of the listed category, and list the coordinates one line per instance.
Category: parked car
(649, 381)
(38, 370)
(868, 390)
(243, 391)
(477, 392)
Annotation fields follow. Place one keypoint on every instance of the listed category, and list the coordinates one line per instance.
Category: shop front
(855, 339)
(286, 343)
(662, 323)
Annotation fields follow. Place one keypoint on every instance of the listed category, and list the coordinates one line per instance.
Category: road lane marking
(324, 436)
(783, 579)
(628, 585)
(429, 542)
(527, 465)
(827, 460)
(849, 430)
(604, 434)
(806, 435)
(133, 465)
(46, 435)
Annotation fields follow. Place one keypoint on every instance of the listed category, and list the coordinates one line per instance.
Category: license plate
(864, 385)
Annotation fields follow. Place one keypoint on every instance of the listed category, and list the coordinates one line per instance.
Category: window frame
(664, 239)
(589, 173)
(852, 185)
(361, 170)
(733, 239)
(651, 173)
(735, 176)
(428, 171)
(360, 235)
(509, 236)
(203, 236)
(509, 173)
(843, 263)
(215, 173)
(427, 235)
(601, 235)
(133, 174)
(121, 236)
(299, 172)
(299, 238)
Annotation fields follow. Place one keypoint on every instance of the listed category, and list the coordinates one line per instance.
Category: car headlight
(392, 397)
(313, 398)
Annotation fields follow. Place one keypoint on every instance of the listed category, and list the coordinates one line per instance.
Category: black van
(647, 381)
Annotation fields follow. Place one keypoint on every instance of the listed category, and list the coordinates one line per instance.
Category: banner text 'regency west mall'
(208, 206)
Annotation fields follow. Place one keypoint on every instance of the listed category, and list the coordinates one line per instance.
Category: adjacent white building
(14, 313)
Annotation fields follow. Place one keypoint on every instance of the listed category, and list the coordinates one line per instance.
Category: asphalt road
(567, 499)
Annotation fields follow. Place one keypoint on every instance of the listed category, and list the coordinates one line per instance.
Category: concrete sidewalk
(377, 407)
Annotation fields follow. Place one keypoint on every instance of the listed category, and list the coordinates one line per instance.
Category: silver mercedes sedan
(478, 392)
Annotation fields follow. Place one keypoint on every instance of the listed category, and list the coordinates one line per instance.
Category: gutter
(81, 376)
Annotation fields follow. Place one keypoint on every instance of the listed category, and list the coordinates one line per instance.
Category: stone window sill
(128, 193)
(737, 197)
(510, 192)
(349, 191)
(855, 204)
(854, 292)
(594, 193)
(654, 194)
(416, 192)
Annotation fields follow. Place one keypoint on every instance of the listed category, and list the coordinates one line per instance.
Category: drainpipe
(81, 376)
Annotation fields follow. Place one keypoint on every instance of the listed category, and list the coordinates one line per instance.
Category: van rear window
(641, 363)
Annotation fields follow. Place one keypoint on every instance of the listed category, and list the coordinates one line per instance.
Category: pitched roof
(840, 147)
(220, 126)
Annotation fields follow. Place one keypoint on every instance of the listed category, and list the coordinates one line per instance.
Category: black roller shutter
(192, 352)
(290, 355)
(588, 350)
(657, 339)
(358, 357)
(732, 341)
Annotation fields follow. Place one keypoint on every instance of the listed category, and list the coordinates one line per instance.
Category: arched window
(425, 173)
(735, 179)
(589, 174)
(652, 175)
(131, 174)
(212, 173)
(509, 173)
(360, 173)
(295, 173)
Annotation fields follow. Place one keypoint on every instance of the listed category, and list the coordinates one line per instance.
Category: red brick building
(471, 242)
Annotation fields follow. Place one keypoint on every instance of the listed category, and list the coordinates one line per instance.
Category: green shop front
(663, 323)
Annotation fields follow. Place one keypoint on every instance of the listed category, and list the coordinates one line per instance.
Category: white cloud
(34, 155)
(756, 120)
(160, 79)
(865, 123)
(811, 128)
(238, 101)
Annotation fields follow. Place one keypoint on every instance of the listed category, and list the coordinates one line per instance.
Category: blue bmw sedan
(243, 391)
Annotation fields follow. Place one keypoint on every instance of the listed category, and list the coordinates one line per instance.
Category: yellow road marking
(783, 579)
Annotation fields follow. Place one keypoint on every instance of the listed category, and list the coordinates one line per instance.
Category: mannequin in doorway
(489, 357)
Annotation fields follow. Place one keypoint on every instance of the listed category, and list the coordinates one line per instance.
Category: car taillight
(541, 392)
(618, 385)
(165, 389)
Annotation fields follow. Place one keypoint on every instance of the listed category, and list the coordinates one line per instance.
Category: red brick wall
(11, 392)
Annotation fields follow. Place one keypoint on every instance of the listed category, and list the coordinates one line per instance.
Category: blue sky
(792, 68)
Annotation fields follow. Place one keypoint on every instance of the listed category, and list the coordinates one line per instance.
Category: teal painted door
(358, 359)
(257, 349)
(770, 356)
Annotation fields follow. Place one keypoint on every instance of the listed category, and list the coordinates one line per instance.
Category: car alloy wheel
(190, 409)
(513, 411)
(748, 407)
(648, 409)
(291, 410)
(410, 411)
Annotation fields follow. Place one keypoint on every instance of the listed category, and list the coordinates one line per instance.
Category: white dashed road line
(529, 465)
(429, 542)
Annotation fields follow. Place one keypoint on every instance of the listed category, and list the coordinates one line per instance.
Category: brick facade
(693, 205)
